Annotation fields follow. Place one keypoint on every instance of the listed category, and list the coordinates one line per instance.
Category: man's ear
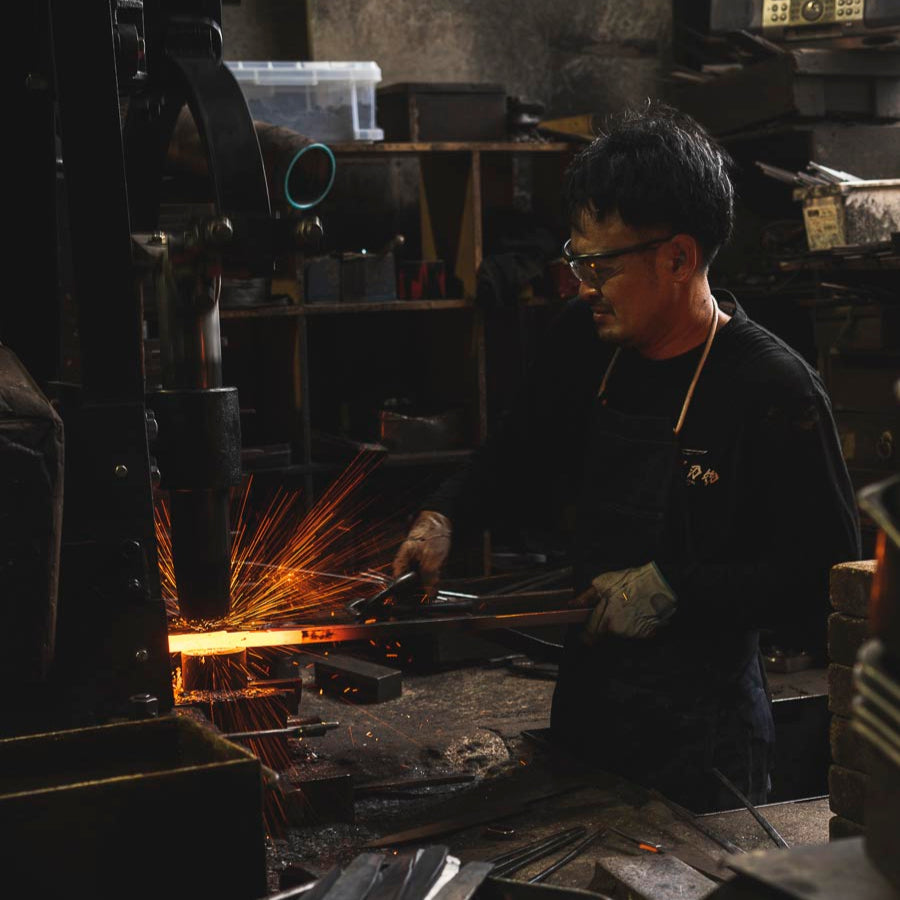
(685, 257)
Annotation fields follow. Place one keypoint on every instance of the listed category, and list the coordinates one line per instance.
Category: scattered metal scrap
(686, 816)
(574, 853)
(514, 860)
(426, 872)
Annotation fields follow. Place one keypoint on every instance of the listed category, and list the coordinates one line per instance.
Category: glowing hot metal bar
(355, 631)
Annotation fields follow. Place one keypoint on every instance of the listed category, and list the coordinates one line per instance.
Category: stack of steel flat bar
(429, 873)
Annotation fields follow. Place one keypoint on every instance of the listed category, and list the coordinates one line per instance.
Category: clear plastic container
(325, 101)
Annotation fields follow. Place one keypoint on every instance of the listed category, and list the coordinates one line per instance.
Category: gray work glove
(426, 548)
(631, 603)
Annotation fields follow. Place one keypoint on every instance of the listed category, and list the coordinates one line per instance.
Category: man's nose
(585, 291)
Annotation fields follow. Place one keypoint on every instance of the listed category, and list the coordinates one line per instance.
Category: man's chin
(607, 330)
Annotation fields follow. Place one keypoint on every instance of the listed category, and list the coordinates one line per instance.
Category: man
(700, 458)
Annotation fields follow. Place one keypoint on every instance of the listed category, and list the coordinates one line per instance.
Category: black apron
(662, 711)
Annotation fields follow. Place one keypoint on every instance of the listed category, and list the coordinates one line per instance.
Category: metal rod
(312, 730)
(327, 632)
(577, 850)
(532, 581)
(527, 848)
(410, 784)
(538, 853)
(694, 822)
(766, 825)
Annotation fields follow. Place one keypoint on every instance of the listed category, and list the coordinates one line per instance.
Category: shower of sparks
(223, 670)
(244, 709)
(288, 564)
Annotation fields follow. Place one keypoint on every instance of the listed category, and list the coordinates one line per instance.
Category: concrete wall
(581, 56)
(265, 29)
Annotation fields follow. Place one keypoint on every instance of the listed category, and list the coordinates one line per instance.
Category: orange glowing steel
(319, 634)
(284, 560)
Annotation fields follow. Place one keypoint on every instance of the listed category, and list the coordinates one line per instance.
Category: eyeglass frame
(573, 259)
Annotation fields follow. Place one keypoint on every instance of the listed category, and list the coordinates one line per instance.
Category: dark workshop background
(589, 55)
(598, 57)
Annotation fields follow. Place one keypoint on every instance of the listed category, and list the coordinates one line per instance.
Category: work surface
(470, 721)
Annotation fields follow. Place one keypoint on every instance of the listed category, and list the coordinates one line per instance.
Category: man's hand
(426, 548)
(631, 603)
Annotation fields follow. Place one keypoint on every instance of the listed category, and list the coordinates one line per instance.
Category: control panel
(798, 13)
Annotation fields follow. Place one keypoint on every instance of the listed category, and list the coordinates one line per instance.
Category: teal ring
(290, 168)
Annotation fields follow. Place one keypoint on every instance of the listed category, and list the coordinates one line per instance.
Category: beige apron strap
(608, 372)
(710, 337)
(690, 391)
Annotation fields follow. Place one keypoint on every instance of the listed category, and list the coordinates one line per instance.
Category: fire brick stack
(848, 630)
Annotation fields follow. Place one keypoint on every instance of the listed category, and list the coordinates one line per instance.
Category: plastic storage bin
(325, 101)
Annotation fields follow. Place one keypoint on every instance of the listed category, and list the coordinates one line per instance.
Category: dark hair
(656, 167)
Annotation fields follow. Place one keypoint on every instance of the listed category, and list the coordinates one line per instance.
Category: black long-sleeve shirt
(769, 501)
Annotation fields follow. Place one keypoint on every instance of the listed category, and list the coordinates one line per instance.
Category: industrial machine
(104, 85)
(865, 22)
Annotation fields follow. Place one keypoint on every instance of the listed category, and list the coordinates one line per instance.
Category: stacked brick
(848, 630)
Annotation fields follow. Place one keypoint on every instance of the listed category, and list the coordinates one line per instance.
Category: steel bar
(299, 731)
(358, 878)
(335, 633)
(410, 784)
(426, 870)
(576, 851)
(365, 681)
(527, 848)
(315, 890)
(533, 582)
(464, 885)
(694, 822)
(766, 825)
(538, 853)
(394, 878)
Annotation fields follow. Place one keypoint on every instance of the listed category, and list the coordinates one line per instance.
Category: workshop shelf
(387, 147)
(324, 309)
(306, 367)
(389, 306)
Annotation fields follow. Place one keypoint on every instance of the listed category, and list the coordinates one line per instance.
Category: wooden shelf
(318, 309)
(435, 457)
(392, 460)
(260, 312)
(452, 147)
(325, 309)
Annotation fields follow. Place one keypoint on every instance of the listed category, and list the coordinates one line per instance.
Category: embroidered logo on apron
(698, 475)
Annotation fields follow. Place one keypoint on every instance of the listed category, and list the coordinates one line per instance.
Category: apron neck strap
(710, 337)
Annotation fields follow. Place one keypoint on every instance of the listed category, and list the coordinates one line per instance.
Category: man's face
(634, 301)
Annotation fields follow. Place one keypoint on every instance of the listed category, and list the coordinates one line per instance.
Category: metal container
(440, 111)
(850, 214)
(409, 433)
(149, 809)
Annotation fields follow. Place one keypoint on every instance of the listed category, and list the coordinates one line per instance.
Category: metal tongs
(406, 592)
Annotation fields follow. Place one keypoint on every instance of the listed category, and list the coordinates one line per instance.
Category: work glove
(631, 603)
(426, 549)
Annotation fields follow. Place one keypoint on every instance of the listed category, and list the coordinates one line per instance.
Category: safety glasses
(591, 268)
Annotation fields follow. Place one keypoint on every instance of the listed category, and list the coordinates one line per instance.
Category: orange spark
(289, 564)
